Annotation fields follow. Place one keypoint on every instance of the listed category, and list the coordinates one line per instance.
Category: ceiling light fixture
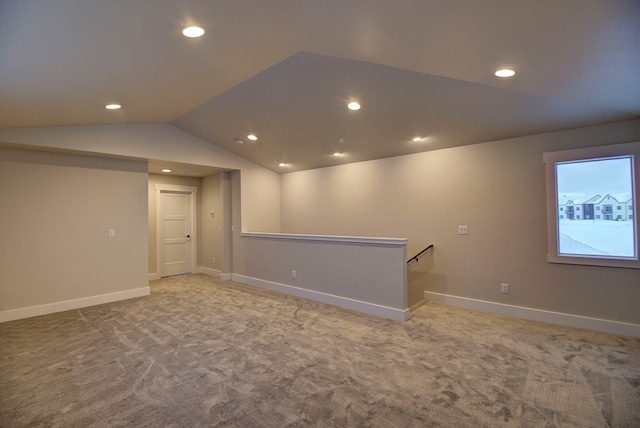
(505, 72)
(113, 106)
(193, 31)
(281, 164)
(336, 154)
(417, 138)
(353, 105)
(252, 137)
(166, 170)
(238, 141)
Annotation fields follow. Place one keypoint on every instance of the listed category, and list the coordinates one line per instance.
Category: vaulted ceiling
(284, 70)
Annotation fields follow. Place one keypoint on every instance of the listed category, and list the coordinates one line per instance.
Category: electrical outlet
(293, 274)
(213, 260)
(504, 288)
(463, 230)
(111, 233)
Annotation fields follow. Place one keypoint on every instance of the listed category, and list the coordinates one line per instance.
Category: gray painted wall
(56, 212)
(497, 189)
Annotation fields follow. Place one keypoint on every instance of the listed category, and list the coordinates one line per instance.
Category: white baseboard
(207, 271)
(417, 305)
(213, 272)
(200, 269)
(569, 320)
(66, 305)
(343, 302)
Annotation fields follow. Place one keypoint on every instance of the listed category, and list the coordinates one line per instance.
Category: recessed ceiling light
(166, 170)
(505, 72)
(193, 31)
(281, 164)
(113, 106)
(336, 154)
(252, 137)
(417, 138)
(353, 105)
(238, 141)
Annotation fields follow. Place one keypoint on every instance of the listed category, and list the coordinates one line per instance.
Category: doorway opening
(176, 229)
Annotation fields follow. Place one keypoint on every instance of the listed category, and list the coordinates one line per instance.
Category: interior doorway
(210, 231)
(176, 229)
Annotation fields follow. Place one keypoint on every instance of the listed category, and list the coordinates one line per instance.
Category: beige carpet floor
(203, 353)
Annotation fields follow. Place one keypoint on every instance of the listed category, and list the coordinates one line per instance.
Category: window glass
(596, 184)
(591, 194)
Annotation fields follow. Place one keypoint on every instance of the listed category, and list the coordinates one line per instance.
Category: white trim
(66, 305)
(343, 302)
(550, 160)
(175, 188)
(396, 242)
(417, 305)
(207, 271)
(200, 269)
(213, 272)
(191, 190)
(569, 320)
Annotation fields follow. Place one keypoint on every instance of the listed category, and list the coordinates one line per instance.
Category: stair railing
(419, 254)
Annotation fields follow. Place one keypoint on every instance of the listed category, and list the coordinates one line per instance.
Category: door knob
(188, 236)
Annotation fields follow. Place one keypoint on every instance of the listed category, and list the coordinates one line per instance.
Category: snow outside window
(593, 180)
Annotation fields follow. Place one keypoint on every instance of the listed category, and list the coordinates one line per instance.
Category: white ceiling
(284, 70)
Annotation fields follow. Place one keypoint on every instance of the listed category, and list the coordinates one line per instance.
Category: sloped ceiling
(284, 70)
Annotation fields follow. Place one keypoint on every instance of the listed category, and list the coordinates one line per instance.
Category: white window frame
(550, 159)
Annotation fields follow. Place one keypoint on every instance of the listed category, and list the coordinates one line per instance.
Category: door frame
(192, 191)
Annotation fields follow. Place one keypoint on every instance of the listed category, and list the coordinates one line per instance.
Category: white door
(175, 233)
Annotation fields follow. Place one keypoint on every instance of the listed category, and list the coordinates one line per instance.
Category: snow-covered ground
(596, 237)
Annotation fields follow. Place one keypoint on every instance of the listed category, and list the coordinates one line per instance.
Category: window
(600, 177)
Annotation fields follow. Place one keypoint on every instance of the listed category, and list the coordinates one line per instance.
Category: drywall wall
(93, 147)
(210, 228)
(363, 274)
(497, 189)
(56, 212)
(260, 186)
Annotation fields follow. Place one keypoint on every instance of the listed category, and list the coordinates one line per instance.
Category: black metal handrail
(417, 255)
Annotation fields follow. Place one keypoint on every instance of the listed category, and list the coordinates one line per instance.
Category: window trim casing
(550, 159)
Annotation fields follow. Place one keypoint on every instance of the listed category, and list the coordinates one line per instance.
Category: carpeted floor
(199, 352)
